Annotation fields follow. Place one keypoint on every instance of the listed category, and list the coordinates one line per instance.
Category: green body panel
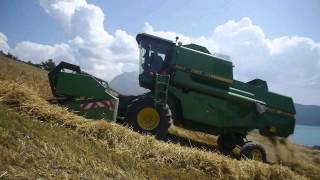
(210, 96)
(197, 48)
(206, 63)
(86, 96)
(211, 110)
(77, 85)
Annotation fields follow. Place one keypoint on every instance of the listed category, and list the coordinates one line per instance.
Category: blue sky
(278, 41)
(26, 20)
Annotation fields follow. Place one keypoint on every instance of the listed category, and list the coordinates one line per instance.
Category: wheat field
(38, 139)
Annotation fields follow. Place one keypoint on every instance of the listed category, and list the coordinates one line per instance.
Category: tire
(145, 118)
(227, 142)
(267, 132)
(253, 151)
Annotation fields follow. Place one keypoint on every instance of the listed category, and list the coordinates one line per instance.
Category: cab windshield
(153, 57)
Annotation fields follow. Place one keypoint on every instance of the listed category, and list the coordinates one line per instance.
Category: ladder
(161, 89)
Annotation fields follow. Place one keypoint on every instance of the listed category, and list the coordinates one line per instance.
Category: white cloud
(89, 44)
(62, 10)
(39, 52)
(291, 65)
(79, 19)
(4, 43)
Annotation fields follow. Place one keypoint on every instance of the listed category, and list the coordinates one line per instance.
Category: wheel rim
(256, 155)
(148, 118)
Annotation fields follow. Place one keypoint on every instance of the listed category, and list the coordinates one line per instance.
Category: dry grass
(134, 148)
(127, 154)
(301, 159)
(31, 149)
(21, 73)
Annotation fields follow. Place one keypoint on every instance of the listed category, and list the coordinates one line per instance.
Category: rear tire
(144, 117)
(253, 151)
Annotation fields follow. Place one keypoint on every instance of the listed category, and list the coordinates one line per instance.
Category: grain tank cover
(259, 83)
(198, 48)
(202, 67)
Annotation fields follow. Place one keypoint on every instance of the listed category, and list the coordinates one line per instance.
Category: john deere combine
(189, 87)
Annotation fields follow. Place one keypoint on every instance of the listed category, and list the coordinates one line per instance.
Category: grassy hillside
(301, 159)
(21, 73)
(43, 140)
(33, 149)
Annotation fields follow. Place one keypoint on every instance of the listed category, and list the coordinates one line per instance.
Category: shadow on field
(191, 143)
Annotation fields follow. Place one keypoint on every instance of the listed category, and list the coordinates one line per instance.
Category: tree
(48, 65)
(9, 55)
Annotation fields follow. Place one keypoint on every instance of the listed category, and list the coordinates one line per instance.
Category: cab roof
(151, 38)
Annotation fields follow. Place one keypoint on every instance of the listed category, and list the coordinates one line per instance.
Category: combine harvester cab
(83, 93)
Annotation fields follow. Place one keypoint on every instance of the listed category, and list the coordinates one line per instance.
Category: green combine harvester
(189, 87)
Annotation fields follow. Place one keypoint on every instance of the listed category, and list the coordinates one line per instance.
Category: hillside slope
(130, 147)
(103, 147)
(31, 149)
(22, 73)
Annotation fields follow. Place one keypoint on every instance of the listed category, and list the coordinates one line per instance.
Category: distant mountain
(308, 114)
(128, 84)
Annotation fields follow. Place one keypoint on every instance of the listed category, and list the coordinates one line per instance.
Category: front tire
(144, 117)
(253, 151)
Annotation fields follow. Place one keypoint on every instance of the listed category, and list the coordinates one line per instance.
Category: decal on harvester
(98, 104)
(204, 74)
